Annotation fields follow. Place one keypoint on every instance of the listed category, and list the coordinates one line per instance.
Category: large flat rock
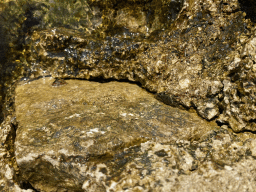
(64, 129)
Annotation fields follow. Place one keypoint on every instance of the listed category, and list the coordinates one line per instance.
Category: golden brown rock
(65, 129)
(194, 54)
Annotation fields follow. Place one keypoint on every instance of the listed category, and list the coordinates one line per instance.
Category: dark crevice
(31, 20)
(239, 94)
(170, 100)
(26, 185)
(247, 131)
(252, 121)
(249, 7)
(103, 80)
(221, 107)
(220, 123)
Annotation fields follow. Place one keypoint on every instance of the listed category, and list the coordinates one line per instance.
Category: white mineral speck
(71, 116)
(212, 113)
(9, 172)
(95, 130)
(86, 185)
(63, 151)
(51, 160)
(124, 114)
(228, 168)
(29, 157)
(184, 83)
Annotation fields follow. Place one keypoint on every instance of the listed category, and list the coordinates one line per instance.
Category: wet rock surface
(63, 130)
(115, 136)
(196, 63)
(193, 54)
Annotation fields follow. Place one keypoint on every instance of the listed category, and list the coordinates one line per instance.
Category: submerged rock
(64, 130)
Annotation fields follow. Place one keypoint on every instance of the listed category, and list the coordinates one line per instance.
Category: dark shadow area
(170, 100)
(27, 185)
(249, 7)
(246, 131)
(13, 30)
(221, 123)
(3, 51)
(3, 44)
(103, 80)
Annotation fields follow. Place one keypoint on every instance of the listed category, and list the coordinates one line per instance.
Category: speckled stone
(62, 130)
(193, 54)
(187, 63)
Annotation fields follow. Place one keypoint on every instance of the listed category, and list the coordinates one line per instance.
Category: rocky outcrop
(65, 130)
(113, 136)
(195, 55)
(201, 61)
(90, 136)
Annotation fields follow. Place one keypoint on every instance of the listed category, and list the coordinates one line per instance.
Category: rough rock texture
(204, 60)
(8, 166)
(89, 136)
(115, 137)
(194, 54)
(63, 130)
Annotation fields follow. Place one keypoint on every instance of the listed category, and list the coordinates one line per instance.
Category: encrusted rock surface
(115, 136)
(63, 130)
(193, 54)
(204, 60)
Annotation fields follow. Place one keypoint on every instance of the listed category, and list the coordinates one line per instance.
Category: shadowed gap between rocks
(249, 7)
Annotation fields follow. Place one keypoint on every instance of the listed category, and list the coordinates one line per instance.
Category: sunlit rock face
(198, 55)
(88, 136)
(64, 129)
(202, 60)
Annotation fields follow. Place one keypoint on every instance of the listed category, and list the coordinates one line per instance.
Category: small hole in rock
(27, 185)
